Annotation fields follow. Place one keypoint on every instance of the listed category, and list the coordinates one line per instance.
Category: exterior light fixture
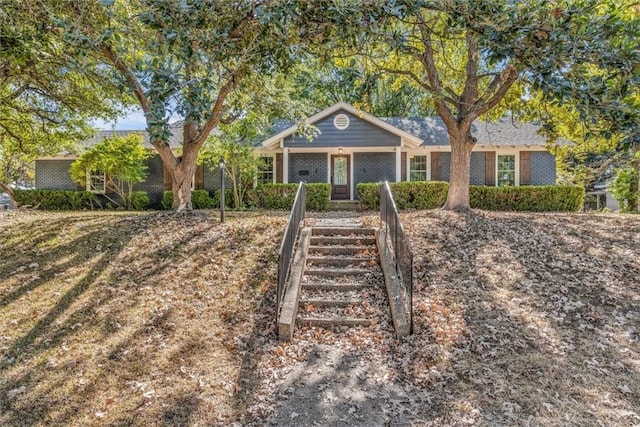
(340, 150)
(221, 189)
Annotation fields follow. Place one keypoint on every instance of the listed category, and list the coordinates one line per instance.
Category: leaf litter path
(520, 319)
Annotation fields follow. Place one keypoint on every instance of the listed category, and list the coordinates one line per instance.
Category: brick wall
(374, 167)
(313, 163)
(477, 168)
(54, 175)
(543, 168)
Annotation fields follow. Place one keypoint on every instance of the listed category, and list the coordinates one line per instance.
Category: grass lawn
(167, 319)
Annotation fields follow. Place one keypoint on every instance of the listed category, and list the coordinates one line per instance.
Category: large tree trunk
(9, 191)
(459, 176)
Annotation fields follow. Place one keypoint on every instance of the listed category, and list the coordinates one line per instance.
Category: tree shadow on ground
(519, 319)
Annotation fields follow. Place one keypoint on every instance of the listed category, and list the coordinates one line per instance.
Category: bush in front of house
(318, 195)
(72, 200)
(419, 194)
(407, 195)
(200, 199)
(546, 198)
(138, 200)
(57, 200)
(368, 194)
(433, 194)
(272, 196)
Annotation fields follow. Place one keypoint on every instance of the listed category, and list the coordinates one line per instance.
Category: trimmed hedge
(200, 199)
(547, 198)
(318, 195)
(70, 200)
(57, 200)
(433, 194)
(407, 195)
(281, 196)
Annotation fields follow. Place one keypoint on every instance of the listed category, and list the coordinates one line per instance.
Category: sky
(132, 121)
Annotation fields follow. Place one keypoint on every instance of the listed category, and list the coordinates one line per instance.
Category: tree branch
(499, 87)
(119, 64)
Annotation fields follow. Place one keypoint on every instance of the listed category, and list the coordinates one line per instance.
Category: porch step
(336, 272)
(343, 240)
(335, 321)
(333, 286)
(331, 302)
(342, 250)
(344, 205)
(343, 261)
(343, 231)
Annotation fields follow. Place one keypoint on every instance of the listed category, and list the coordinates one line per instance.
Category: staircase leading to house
(342, 283)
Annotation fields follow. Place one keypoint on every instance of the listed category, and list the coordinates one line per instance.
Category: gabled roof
(504, 132)
(411, 139)
(175, 139)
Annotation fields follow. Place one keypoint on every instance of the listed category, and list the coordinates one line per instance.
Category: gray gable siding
(543, 168)
(315, 164)
(374, 167)
(477, 168)
(360, 133)
(54, 175)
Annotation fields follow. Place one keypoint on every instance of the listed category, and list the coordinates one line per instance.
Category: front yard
(167, 319)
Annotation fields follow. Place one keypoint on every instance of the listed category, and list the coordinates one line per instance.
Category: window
(506, 170)
(265, 170)
(96, 181)
(418, 168)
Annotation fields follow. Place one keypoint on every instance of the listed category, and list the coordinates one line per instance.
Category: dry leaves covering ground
(165, 319)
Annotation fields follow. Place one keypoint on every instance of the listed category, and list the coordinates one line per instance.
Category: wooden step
(344, 261)
(342, 250)
(340, 287)
(343, 240)
(342, 231)
(335, 272)
(330, 302)
(334, 321)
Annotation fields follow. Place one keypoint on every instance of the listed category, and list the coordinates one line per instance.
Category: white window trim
(426, 166)
(90, 188)
(273, 168)
(516, 155)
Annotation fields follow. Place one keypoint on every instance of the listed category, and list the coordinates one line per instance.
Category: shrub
(407, 195)
(318, 195)
(420, 194)
(548, 198)
(138, 200)
(368, 194)
(625, 190)
(57, 200)
(273, 196)
(200, 199)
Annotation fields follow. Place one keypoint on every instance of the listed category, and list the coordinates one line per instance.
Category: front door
(340, 177)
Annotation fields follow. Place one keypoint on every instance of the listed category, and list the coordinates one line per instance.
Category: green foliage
(625, 189)
(419, 195)
(548, 198)
(273, 196)
(318, 195)
(71, 200)
(138, 201)
(432, 195)
(199, 198)
(57, 200)
(122, 161)
(368, 194)
(407, 195)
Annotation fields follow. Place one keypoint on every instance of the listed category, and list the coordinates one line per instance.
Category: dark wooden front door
(340, 182)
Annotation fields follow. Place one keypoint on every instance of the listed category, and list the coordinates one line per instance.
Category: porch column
(398, 164)
(285, 165)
